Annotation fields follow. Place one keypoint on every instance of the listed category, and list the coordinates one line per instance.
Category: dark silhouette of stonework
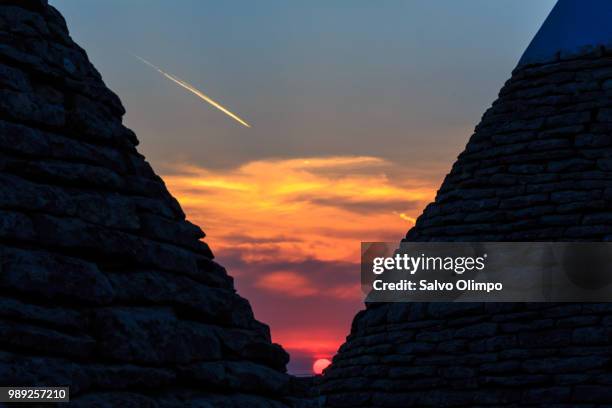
(537, 168)
(104, 286)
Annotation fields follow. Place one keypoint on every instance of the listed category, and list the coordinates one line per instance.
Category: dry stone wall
(104, 286)
(537, 168)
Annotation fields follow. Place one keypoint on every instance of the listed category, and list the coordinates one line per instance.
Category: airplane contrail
(194, 91)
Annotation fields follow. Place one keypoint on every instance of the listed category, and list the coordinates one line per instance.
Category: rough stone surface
(104, 286)
(537, 168)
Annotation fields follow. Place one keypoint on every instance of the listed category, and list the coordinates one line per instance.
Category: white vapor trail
(194, 91)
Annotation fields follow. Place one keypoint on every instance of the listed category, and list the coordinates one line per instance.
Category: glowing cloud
(287, 282)
(289, 230)
(324, 206)
(195, 91)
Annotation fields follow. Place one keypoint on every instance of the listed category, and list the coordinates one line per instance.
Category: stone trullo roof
(573, 27)
(104, 286)
(537, 168)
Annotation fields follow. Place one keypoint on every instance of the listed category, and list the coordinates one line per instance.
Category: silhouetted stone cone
(104, 286)
(537, 168)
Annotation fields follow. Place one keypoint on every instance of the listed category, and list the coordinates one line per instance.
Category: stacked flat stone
(537, 168)
(104, 286)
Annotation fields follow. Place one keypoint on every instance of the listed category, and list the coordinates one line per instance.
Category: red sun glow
(320, 365)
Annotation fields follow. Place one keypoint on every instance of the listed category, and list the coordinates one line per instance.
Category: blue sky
(405, 80)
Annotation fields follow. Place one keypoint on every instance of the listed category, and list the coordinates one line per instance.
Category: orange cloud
(290, 231)
(287, 283)
(350, 198)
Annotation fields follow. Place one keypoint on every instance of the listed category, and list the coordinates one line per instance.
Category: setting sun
(320, 365)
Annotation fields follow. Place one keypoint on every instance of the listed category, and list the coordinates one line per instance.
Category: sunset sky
(357, 110)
